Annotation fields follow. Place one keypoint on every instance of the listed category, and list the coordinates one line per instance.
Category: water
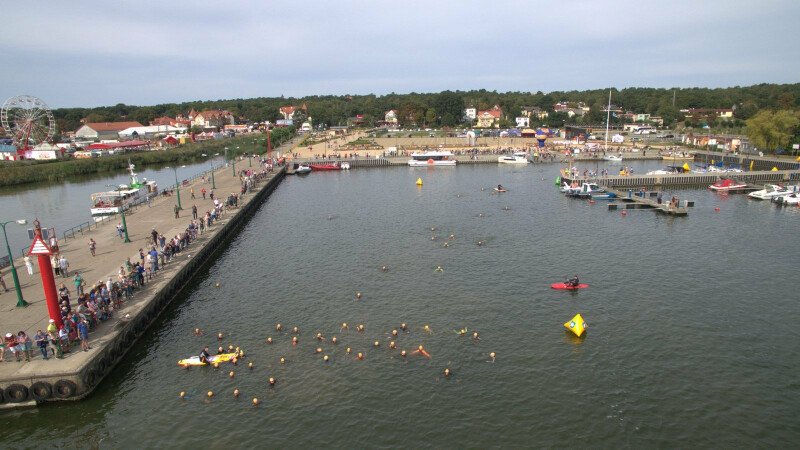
(66, 204)
(691, 341)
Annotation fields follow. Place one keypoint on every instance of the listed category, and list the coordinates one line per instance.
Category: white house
(471, 113)
(523, 122)
(390, 117)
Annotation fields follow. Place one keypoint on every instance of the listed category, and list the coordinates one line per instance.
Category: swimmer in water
(348, 350)
(446, 245)
(427, 329)
(480, 243)
(394, 333)
(295, 330)
(294, 340)
(480, 215)
(433, 238)
(360, 328)
(220, 350)
(334, 341)
(433, 228)
(269, 340)
(438, 269)
(421, 351)
(344, 326)
(198, 332)
(452, 236)
(447, 372)
(492, 355)
(278, 327)
(384, 269)
(475, 336)
(392, 345)
(403, 327)
(320, 337)
(283, 360)
(318, 350)
(403, 353)
(358, 295)
(360, 356)
(462, 332)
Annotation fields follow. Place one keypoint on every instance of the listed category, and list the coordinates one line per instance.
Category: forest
(446, 108)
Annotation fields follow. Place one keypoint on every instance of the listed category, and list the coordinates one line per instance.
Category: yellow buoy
(419, 181)
(774, 169)
(576, 325)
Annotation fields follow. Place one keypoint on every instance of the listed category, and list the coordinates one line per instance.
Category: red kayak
(568, 287)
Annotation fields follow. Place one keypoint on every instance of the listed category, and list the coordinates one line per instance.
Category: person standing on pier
(79, 283)
(194, 211)
(92, 246)
(83, 333)
(63, 265)
(120, 231)
(191, 191)
(177, 212)
(28, 264)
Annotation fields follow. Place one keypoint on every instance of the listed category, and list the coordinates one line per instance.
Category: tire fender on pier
(90, 377)
(64, 389)
(41, 391)
(15, 393)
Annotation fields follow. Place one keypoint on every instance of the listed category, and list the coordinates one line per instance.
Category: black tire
(41, 391)
(90, 378)
(15, 393)
(64, 389)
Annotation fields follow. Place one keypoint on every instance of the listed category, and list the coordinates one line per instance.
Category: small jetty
(643, 200)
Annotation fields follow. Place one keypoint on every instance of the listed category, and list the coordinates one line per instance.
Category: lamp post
(233, 161)
(122, 214)
(177, 186)
(20, 301)
(213, 183)
(250, 160)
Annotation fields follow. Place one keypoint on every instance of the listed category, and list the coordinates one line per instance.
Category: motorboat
(603, 196)
(727, 184)
(613, 158)
(302, 169)
(792, 199)
(772, 190)
(125, 196)
(330, 166)
(430, 159)
(516, 158)
(677, 156)
(585, 190)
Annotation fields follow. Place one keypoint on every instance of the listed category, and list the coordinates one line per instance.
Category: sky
(94, 53)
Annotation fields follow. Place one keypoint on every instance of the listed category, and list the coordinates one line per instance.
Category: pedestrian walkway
(111, 252)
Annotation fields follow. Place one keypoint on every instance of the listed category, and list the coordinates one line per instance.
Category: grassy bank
(22, 172)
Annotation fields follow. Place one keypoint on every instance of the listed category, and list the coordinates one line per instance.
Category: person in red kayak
(574, 282)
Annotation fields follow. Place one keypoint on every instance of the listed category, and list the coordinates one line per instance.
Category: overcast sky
(143, 52)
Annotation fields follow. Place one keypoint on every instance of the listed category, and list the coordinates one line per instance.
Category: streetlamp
(177, 185)
(213, 183)
(20, 301)
(234, 160)
(250, 160)
(122, 213)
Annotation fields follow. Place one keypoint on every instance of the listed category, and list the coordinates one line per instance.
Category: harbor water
(691, 341)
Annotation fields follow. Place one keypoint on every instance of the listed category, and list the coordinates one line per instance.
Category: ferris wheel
(27, 120)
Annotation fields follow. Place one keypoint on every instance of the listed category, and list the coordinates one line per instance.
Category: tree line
(445, 109)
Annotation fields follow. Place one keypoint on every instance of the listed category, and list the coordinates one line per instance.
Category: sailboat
(607, 157)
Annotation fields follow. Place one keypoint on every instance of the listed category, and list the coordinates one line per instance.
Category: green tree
(450, 107)
(430, 116)
(770, 130)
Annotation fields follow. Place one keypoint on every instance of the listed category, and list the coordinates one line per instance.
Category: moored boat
(516, 158)
(329, 166)
(727, 184)
(434, 158)
(585, 190)
(125, 196)
(301, 169)
(792, 199)
(613, 158)
(771, 191)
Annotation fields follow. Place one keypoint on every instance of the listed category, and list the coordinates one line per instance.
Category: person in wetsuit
(574, 282)
(204, 355)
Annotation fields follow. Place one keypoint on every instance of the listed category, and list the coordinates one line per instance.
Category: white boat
(516, 158)
(429, 159)
(772, 190)
(612, 158)
(302, 169)
(585, 189)
(792, 199)
(125, 196)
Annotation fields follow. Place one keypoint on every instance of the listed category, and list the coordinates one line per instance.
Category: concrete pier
(79, 372)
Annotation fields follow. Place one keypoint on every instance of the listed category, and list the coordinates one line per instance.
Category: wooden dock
(643, 200)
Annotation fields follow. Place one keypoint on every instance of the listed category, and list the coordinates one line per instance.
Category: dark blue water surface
(692, 338)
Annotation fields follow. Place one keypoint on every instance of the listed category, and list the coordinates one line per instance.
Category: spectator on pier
(41, 342)
(79, 283)
(63, 265)
(92, 246)
(3, 283)
(83, 332)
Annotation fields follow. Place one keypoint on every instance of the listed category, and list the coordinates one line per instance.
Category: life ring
(15, 393)
(64, 389)
(90, 377)
(41, 391)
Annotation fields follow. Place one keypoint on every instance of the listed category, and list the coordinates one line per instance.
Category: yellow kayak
(195, 360)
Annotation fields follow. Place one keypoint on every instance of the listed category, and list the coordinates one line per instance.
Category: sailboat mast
(608, 118)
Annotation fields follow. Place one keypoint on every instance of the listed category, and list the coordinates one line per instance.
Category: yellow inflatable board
(419, 181)
(195, 360)
(774, 169)
(576, 325)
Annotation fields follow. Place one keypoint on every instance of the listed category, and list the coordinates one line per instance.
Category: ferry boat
(727, 184)
(429, 159)
(516, 158)
(125, 196)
